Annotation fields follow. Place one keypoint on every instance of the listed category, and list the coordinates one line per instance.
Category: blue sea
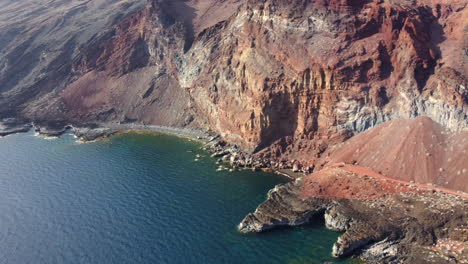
(137, 198)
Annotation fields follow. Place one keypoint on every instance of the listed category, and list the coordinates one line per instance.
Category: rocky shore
(104, 130)
(12, 126)
(385, 223)
(219, 148)
(91, 132)
(389, 223)
(225, 152)
(239, 159)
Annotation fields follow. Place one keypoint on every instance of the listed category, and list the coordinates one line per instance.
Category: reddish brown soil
(344, 182)
(417, 150)
(419, 187)
(452, 248)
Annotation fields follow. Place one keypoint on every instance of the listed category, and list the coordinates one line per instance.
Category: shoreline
(98, 131)
(212, 143)
(111, 129)
(235, 159)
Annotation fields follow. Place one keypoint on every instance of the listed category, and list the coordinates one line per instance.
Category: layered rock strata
(286, 77)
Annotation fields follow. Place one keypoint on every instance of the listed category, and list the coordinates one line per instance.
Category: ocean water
(137, 198)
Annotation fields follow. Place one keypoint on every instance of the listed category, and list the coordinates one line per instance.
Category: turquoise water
(136, 198)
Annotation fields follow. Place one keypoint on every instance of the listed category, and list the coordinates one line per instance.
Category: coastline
(98, 131)
(284, 205)
(401, 224)
(224, 152)
(233, 155)
(147, 182)
(105, 130)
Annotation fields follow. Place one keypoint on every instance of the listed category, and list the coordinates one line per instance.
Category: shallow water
(136, 198)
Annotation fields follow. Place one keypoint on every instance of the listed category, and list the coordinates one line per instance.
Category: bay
(137, 198)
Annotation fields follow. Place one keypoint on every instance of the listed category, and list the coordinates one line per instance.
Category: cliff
(285, 77)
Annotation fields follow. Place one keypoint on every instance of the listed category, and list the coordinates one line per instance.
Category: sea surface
(137, 198)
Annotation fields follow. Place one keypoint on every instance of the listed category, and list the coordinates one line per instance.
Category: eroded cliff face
(283, 78)
(306, 70)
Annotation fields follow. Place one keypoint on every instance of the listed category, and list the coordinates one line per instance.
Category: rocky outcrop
(402, 226)
(51, 128)
(282, 208)
(334, 220)
(11, 126)
(384, 250)
(93, 133)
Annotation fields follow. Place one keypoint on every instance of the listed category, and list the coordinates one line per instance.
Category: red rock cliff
(283, 78)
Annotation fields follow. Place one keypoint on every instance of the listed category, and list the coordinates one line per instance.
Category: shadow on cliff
(284, 114)
(179, 11)
(436, 36)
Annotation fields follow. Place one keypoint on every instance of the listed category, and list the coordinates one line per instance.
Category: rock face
(38, 42)
(288, 77)
(300, 70)
(334, 220)
(283, 208)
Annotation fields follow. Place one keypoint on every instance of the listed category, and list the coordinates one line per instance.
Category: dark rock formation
(283, 208)
(404, 226)
(93, 133)
(12, 125)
